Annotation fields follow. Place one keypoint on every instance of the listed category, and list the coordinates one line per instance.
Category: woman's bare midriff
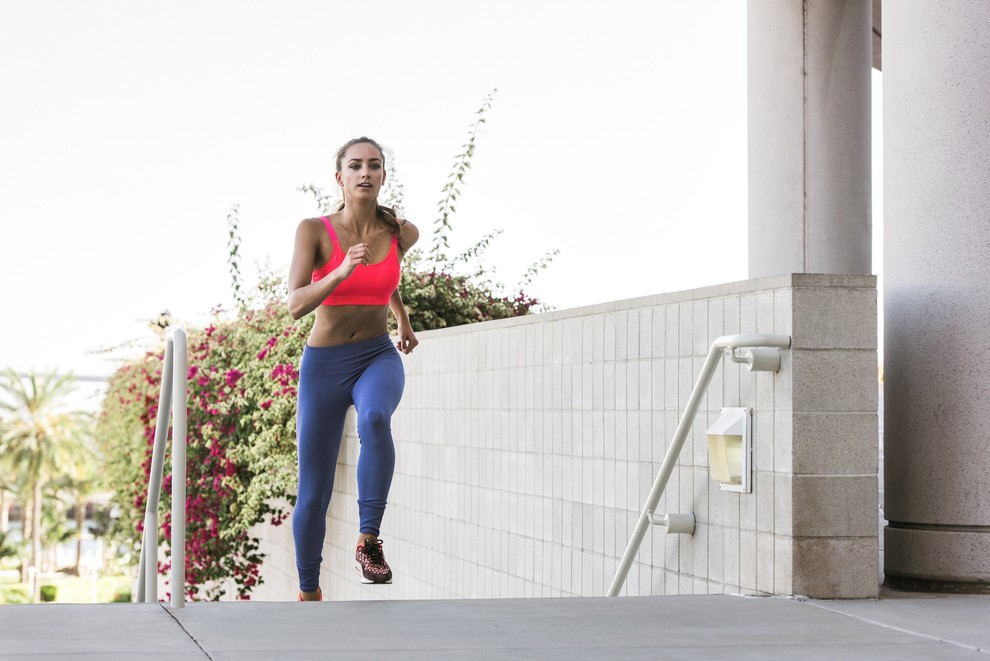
(342, 324)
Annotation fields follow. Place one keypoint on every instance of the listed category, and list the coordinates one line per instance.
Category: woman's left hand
(407, 339)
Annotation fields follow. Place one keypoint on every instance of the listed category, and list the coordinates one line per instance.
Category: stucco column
(936, 58)
(809, 136)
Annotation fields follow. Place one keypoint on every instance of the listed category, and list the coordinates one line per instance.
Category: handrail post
(680, 435)
(148, 568)
(666, 468)
(178, 542)
(172, 400)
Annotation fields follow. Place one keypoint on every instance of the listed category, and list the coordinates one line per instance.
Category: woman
(345, 266)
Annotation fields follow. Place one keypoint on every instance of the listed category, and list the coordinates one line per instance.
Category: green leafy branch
(452, 189)
(537, 266)
(233, 258)
(325, 201)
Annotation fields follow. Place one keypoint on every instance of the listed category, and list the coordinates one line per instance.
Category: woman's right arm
(304, 294)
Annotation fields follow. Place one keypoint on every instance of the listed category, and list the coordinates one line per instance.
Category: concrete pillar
(936, 58)
(809, 136)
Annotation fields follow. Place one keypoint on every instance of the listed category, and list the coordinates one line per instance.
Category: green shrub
(242, 384)
(121, 597)
(48, 592)
(441, 299)
(14, 594)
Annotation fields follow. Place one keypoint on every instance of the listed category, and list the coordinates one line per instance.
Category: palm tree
(38, 436)
(8, 549)
(74, 488)
(55, 528)
(14, 489)
(8, 495)
(4, 509)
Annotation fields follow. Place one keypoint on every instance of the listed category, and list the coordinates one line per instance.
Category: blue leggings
(369, 375)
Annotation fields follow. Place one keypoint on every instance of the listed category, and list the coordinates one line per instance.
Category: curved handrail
(719, 346)
(173, 399)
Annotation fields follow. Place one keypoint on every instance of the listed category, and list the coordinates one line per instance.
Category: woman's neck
(360, 216)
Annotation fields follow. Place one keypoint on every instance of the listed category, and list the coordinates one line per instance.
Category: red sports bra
(367, 285)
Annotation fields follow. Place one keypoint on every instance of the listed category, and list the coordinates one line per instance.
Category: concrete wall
(526, 449)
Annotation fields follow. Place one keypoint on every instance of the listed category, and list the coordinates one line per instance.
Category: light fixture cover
(730, 450)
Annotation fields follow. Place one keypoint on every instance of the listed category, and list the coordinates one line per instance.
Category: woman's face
(362, 171)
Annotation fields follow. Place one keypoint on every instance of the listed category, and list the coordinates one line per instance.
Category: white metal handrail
(173, 399)
(757, 359)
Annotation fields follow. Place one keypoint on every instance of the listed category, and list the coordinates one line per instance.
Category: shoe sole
(368, 581)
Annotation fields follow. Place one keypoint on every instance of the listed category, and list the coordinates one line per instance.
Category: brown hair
(385, 214)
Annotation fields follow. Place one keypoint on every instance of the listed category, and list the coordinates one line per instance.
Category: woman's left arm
(407, 338)
(408, 235)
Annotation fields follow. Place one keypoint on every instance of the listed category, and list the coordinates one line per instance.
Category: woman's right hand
(357, 254)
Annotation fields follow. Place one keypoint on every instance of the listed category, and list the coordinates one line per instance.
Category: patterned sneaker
(370, 562)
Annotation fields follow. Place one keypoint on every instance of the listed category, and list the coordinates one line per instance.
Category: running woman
(345, 266)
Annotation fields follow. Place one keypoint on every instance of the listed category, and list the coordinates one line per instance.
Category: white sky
(129, 127)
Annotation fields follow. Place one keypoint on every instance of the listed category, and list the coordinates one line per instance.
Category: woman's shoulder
(316, 224)
(318, 221)
(408, 234)
(312, 229)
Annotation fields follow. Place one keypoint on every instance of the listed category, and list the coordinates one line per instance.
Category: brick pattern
(527, 447)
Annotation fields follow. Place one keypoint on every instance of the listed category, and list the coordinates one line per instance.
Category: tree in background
(72, 490)
(55, 528)
(8, 549)
(13, 490)
(39, 438)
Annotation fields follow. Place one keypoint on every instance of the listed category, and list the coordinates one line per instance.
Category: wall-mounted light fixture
(730, 450)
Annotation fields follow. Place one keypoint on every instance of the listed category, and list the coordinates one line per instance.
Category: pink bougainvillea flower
(233, 376)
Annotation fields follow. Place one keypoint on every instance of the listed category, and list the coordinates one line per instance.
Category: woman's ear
(384, 175)
(340, 180)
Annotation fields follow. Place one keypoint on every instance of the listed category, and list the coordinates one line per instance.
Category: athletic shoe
(370, 562)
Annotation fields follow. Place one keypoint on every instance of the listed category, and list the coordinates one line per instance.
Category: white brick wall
(526, 449)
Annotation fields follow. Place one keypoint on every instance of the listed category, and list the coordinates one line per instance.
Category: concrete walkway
(897, 626)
